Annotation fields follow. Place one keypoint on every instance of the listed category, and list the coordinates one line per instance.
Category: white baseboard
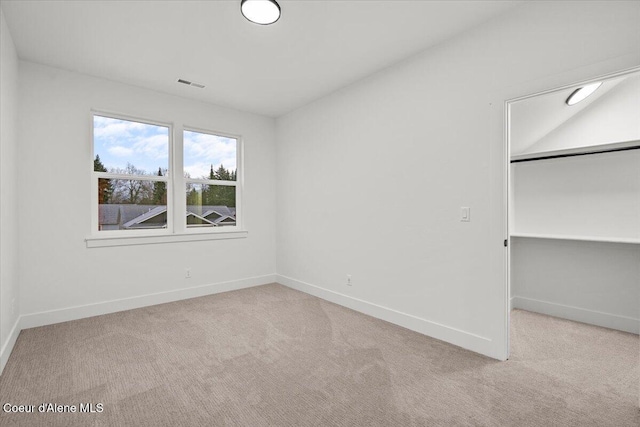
(33, 320)
(7, 347)
(451, 335)
(606, 320)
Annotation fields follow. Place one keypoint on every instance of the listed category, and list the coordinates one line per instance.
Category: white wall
(9, 291)
(583, 196)
(532, 118)
(591, 282)
(60, 277)
(614, 117)
(371, 178)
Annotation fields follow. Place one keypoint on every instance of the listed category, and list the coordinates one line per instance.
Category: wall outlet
(348, 280)
(187, 273)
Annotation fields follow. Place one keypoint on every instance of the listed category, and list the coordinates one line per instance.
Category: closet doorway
(574, 208)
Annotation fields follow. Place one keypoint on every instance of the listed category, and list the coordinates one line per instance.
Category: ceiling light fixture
(581, 93)
(263, 12)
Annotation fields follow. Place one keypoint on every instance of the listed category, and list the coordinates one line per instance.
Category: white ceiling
(315, 48)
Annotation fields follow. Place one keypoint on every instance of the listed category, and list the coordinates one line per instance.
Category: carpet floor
(271, 355)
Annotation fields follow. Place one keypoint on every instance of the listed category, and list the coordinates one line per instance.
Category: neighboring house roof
(211, 214)
(109, 214)
(220, 215)
(198, 217)
(141, 219)
(219, 210)
(139, 216)
(225, 219)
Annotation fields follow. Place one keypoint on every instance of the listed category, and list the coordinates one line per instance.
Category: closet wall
(575, 225)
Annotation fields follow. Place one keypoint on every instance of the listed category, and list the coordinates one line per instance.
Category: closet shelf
(579, 151)
(628, 240)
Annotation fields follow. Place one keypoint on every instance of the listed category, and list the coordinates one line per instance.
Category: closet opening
(574, 227)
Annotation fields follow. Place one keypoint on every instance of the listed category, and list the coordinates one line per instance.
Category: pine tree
(222, 195)
(105, 189)
(208, 191)
(192, 198)
(226, 193)
(159, 191)
(222, 174)
(219, 195)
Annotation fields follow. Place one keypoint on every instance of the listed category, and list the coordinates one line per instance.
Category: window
(135, 191)
(210, 179)
(131, 171)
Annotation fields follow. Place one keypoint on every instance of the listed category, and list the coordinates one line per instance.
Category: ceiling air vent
(188, 83)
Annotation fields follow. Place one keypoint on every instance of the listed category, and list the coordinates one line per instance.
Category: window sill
(101, 242)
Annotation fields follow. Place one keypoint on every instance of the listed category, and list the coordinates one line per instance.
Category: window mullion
(179, 182)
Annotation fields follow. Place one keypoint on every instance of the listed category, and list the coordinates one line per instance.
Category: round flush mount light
(263, 12)
(581, 93)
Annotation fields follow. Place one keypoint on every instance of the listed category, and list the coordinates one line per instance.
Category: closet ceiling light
(263, 12)
(582, 92)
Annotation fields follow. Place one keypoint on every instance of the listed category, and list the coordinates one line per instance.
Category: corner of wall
(9, 286)
(9, 343)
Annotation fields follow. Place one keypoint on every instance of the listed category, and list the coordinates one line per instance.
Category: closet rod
(556, 156)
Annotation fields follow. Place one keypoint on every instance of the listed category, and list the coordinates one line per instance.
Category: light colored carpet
(270, 355)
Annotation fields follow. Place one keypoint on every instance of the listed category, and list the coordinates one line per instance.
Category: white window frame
(95, 176)
(238, 184)
(176, 230)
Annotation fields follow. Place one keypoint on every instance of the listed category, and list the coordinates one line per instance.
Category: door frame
(580, 81)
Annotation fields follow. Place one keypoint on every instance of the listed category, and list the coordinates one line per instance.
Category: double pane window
(135, 188)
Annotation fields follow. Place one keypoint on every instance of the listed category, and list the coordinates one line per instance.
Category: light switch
(465, 214)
